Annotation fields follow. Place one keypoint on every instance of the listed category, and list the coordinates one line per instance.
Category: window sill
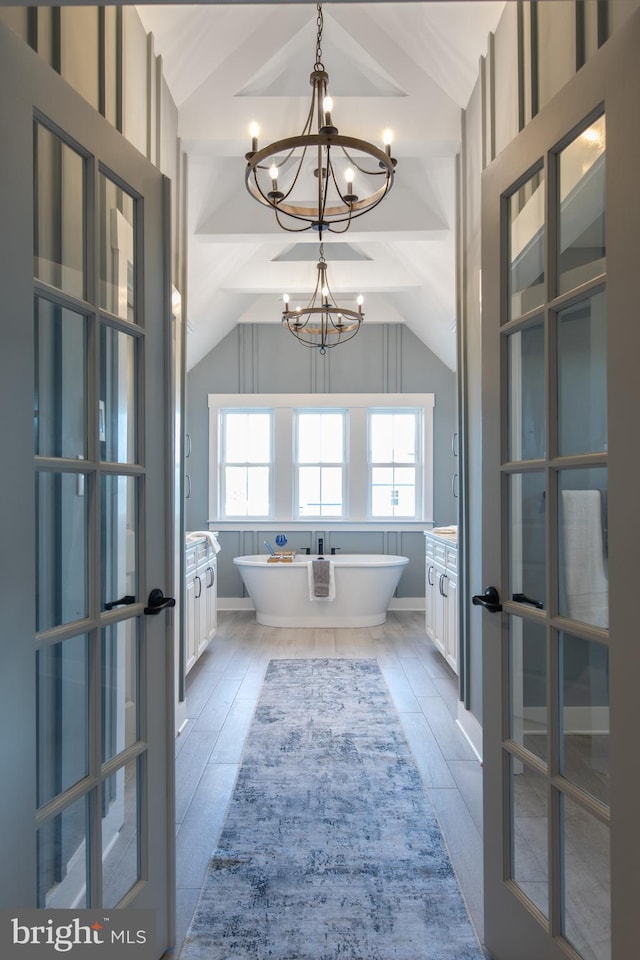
(320, 524)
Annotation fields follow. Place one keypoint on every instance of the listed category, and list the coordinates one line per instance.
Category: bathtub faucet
(320, 545)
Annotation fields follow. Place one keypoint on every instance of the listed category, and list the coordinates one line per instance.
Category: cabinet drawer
(201, 552)
(440, 551)
(452, 558)
(428, 546)
(190, 562)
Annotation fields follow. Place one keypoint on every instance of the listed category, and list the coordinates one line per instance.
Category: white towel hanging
(585, 577)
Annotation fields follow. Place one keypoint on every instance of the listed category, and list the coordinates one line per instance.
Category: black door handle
(490, 600)
(523, 598)
(158, 601)
(122, 602)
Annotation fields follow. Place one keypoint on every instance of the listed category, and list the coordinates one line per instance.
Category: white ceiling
(408, 66)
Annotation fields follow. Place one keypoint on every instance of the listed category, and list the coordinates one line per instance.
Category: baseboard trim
(235, 603)
(471, 729)
(406, 603)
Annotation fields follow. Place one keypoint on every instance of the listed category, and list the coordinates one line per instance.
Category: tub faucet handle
(333, 550)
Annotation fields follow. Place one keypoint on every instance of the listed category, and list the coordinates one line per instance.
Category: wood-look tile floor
(222, 692)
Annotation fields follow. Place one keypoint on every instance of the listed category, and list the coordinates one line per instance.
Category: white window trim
(342, 464)
(420, 479)
(357, 405)
(270, 465)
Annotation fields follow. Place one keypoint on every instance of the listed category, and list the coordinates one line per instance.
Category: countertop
(446, 535)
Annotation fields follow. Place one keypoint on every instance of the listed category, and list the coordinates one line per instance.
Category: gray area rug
(330, 849)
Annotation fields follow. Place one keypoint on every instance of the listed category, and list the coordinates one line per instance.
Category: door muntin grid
(554, 480)
(91, 751)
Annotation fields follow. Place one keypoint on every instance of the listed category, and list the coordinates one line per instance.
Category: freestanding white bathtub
(364, 585)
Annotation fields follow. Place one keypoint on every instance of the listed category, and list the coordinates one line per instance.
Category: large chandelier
(322, 323)
(309, 181)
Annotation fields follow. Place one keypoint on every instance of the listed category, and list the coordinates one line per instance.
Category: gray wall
(263, 358)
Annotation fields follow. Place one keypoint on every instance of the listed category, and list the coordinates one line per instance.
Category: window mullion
(358, 456)
(282, 476)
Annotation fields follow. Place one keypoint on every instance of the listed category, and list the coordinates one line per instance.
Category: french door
(561, 394)
(86, 700)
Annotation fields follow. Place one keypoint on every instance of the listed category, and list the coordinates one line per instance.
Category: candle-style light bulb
(274, 194)
(327, 107)
(285, 299)
(254, 133)
(349, 196)
(387, 139)
(325, 292)
(360, 301)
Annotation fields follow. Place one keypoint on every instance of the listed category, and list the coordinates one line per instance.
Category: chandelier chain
(320, 24)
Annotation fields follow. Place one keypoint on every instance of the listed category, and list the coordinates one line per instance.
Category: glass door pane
(527, 438)
(582, 243)
(526, 232)
(583, 546)
(118, 406)
(61, 381)
(529, 829)
(117, 250)
(527, 536)
(582, 377)
(586, 882)
(60, 218)
(62, 673)
(584, 715)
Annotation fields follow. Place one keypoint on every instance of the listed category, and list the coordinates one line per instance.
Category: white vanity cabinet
(441, 594)
(201, 601)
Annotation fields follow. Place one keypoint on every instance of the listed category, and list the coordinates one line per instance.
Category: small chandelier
(321, 165)
(322, 323)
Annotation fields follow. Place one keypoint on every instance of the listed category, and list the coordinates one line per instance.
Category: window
(320, 463)
(245, 463)
(393, 458)
(353, 457)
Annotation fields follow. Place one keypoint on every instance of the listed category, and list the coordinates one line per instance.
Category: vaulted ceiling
(408, 66)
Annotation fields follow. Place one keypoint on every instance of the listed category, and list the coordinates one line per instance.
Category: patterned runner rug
(330, 849)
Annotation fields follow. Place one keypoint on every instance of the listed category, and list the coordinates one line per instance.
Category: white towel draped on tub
(322, 580)
(585, 575)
